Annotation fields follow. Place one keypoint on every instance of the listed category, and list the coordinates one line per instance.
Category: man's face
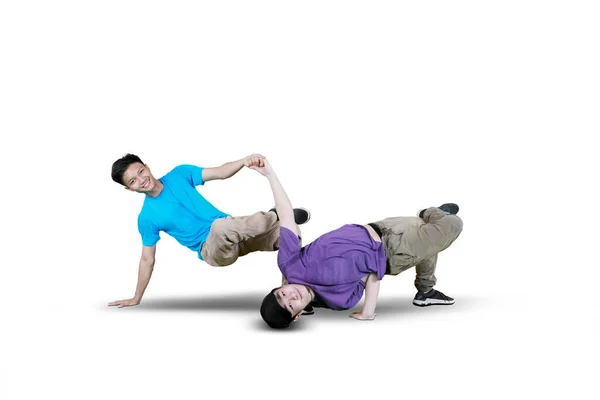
(138, 178)
(293, 298)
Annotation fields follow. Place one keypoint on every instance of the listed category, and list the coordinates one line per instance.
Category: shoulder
(185, 168)
(190, 173)
(146, 223)
(180, 172)
(144, 216)
(283, 231)
(148, 212)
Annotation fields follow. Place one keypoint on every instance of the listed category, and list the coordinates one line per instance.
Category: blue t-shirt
(179, 210)
(334, 264)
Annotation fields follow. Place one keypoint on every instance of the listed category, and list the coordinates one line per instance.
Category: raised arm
(144, 274)
(229, 169)
(282, 202)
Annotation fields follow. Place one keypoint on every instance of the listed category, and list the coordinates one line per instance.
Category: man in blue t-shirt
(173, 205)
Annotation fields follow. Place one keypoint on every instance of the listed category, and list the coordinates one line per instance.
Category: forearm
(371, 294)
(229, 169)
(282, 201)
(144, 275)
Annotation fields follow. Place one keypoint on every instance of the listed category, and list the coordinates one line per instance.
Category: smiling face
(138, 178)
(293, 298)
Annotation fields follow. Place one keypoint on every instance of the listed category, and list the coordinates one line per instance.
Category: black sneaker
(308, 310)
(301, 215)
(449, 208)
(432, 298)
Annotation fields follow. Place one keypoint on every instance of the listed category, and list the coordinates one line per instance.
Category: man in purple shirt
(336, 269)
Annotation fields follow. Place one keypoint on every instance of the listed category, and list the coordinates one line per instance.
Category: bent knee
(218, 225)
(456, 226)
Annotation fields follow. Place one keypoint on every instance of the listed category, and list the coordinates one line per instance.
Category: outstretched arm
(229, 169)
(371, 294)
(144, 275)
(282, 202)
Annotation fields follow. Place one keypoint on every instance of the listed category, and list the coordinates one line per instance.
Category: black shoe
(432, 298)
(301, 215)
(449, 208)
(308, 310)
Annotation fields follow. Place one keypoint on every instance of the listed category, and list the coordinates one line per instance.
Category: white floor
(366, 110)
(186, 343)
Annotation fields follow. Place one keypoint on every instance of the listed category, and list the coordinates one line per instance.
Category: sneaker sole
(432, 302)
(308, 212)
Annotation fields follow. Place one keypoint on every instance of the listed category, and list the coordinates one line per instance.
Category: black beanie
(274, 315)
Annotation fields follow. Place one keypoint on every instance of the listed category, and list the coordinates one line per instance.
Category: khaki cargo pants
(233, 237)
(412, 241)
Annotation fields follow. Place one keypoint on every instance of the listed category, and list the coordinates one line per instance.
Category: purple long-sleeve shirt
(334, 264)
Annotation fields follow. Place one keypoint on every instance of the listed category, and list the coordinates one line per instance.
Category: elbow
(147, 262)
(219, 176)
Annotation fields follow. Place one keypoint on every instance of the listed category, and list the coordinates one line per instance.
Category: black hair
(120, 166)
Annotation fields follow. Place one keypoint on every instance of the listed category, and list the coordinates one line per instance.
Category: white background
(366, 110)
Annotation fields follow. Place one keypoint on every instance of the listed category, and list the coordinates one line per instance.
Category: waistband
(377, 230)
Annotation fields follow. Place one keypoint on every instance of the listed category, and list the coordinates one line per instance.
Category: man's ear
(128, 188)
(297, 317)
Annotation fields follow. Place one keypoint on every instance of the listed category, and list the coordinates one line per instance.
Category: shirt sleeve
(356, 295)
(289, 246)
(149, 232)
(191, 173)
(341, 297)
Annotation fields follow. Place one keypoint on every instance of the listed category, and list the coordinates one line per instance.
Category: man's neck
(158, 188)
(312, 293)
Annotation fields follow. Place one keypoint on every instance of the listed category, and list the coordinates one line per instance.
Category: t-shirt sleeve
(355, 296)
(149, 232)
(289, 246)
(191, 173)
